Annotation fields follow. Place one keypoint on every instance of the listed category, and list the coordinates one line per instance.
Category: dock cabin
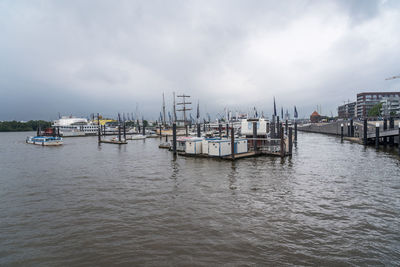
(222, 148)
(247, 127)
(193, 146)
(181, 142)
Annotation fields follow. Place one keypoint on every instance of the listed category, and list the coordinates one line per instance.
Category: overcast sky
(81, 57)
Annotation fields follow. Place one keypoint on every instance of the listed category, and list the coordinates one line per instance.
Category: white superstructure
(69, 125)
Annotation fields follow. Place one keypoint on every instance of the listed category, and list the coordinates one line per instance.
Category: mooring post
(341, 132)
(98, 128)
(124, 130)
(174, 138)
(104, 129)
(119, 132)
(399, 139)
(233, 143)
(272, 127)
(351, 128)
(391, 127)
(220, 130)
(365, 130)
(282, 143)
(286, 127)
(198, 130)
(278, 130)
(348, 129)
(377, 135)
(144, 129)
(255, 136)
(384, 139)
(204, 127)
(138, 126)
(268, 128)
(160, 132)
(186, 130)
(290, 140)
(295, 131)
(227, 130)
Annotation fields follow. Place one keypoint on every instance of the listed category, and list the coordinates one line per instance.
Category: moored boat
(44, 140)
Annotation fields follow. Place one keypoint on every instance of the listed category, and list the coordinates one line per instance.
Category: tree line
(17, 126)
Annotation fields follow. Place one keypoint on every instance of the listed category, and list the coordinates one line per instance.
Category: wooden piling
(399, 139)
(227, 130)
(278, 130)
(138, 126)
(295, 131)
(204, 127)
(198, 130)
(186, 130)
(377, 135)
(220, 130)
(384, 139)
(272, 127)
(282, 152)
(255, 136)
(348, 130)
(341, 132)
(365, 134)
(391, 127)
(290, 140)
(160, 132)
(233, 143)
(98, 128)
(286, 127)
(351, 128)
(174, 138)
(119, 132)
(124, 128)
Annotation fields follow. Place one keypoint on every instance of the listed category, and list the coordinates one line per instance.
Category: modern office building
(347, 111)
(390, 106)
(365, 101)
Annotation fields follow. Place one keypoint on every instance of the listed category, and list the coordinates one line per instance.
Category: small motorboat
(44, 140)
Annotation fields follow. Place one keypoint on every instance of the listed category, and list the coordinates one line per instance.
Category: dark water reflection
(333, 203)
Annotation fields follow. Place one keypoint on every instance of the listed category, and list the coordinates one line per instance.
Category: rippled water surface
(333, 203)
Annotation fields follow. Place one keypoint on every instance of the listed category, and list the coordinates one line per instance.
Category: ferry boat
(72, 126)
(44, 140)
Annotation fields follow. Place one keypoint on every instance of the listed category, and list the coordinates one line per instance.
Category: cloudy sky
(83, 56)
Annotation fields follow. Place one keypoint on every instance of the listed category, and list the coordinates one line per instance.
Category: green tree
(375, 111)
(16, 126)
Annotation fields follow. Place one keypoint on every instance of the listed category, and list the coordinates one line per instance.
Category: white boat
(44, 140)
(136, 137)
(71, 126)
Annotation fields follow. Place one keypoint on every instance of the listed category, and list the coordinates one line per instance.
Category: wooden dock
(237, 156)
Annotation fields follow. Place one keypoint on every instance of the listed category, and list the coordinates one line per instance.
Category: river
(82, 204)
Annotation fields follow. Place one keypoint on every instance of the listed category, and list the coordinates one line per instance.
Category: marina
(294, 210)
(199, 133)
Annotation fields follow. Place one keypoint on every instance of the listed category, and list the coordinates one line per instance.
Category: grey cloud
(106, 56)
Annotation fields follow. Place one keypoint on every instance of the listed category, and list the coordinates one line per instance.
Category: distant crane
(393, 77)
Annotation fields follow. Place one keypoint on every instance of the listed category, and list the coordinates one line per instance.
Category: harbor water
(82, 204)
